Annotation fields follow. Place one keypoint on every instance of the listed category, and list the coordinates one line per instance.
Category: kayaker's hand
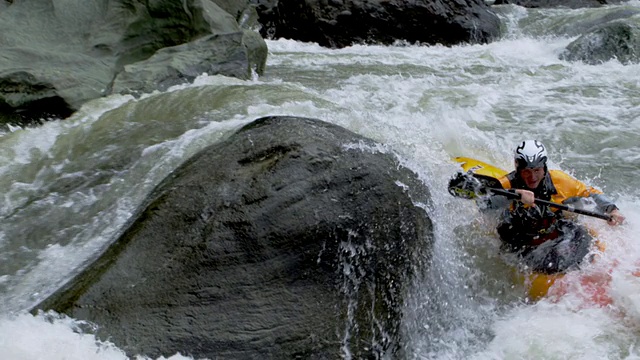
(526, 196)
(616, 218)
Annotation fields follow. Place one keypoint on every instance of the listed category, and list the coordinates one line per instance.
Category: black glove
(466, 186)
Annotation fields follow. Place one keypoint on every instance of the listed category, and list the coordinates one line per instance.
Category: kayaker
(545, 238)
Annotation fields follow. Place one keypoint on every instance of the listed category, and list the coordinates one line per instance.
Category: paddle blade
(466, 186)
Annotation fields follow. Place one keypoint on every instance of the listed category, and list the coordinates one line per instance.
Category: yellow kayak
(478, 167)
(536, 284)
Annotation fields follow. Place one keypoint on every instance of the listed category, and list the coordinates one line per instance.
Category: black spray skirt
(565, 251)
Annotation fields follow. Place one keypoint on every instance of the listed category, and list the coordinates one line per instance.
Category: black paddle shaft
(513, 195)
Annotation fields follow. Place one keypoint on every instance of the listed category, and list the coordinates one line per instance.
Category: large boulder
(294, 238)
(340, 23)
(59, 54)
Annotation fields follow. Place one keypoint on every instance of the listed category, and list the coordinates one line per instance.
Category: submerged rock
(618, 40)
(294, 238)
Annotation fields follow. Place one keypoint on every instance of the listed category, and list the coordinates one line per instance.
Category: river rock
(293, 238)
(59, 54)
(618, 40)
(341, 23)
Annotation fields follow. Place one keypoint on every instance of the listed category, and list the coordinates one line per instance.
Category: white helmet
(530, 154)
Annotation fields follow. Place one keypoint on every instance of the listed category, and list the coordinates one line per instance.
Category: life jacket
(557, 186)
(526, 225)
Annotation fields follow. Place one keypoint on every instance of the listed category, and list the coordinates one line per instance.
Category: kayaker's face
(532, 177)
